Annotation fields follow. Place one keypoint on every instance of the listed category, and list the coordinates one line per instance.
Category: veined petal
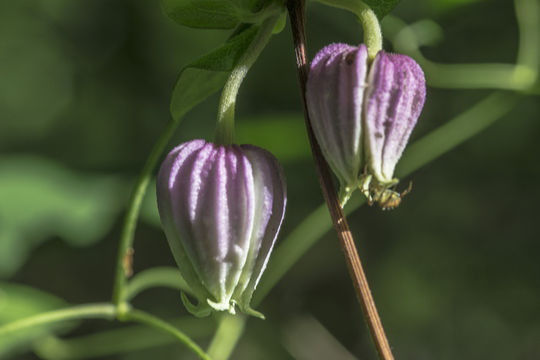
(165, 184)
(393, 102)
(221, 208)
(334, 95)
(270, 202)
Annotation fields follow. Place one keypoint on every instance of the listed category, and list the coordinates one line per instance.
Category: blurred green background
(84, 93)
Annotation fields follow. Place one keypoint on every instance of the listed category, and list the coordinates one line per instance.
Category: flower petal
(393, 102)
(270, 202)
(334, 95)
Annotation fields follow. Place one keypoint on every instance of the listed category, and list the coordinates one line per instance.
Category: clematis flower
(334, 94)
(363, 115)
(221, 208)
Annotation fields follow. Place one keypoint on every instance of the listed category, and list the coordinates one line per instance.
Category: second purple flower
(363, 115)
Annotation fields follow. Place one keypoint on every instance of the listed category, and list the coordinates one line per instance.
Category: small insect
(389, 198)
(385, 195)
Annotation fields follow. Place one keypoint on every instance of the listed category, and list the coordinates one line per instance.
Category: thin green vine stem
(370, 23)
(86, 311)
(448, 76)
(123, 263)
(119, 340)
(230, 329)
(104, 311)
(155, 322)
(225, 121)
(518, 77)
(156, 277)
(528, 18)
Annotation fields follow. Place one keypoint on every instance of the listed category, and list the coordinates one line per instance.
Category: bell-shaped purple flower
(393, 102)
(363, 114)
(334, 93)
(221, 208)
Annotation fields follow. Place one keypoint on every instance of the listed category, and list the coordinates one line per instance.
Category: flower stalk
(225, 121)
(367, 17)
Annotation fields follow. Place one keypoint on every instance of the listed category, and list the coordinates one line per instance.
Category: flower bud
(334, 94)
(221, 208)
(393, 102)
(362, 116)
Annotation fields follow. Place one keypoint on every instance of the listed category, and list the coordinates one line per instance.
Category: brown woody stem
(296, 15)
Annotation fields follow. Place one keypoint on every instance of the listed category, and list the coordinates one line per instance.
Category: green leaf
(41, 199)
(209, 73)
(205, 14)
(381, 7)
(17, 302)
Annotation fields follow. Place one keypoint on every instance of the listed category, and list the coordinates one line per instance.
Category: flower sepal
(202, 309)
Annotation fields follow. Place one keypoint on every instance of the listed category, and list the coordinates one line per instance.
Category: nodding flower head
(221, 208)
(363, 115)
